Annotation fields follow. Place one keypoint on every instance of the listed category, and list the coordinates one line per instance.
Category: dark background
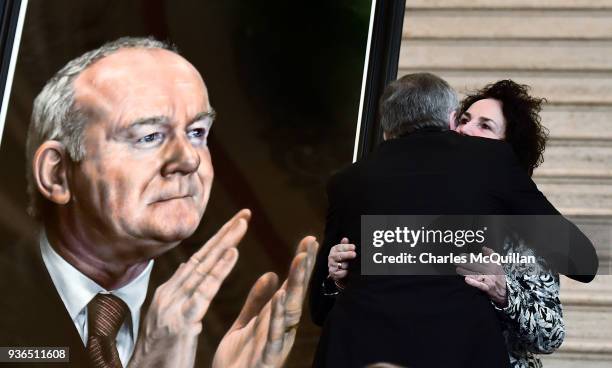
(285, 79)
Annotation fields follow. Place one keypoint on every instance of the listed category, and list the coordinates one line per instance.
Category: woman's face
(483, 119)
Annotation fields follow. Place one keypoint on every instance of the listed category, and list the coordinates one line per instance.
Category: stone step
(588, 336)
(588, 299)
(597, 293)
(561, 360)
(577, 158)
(565, 88)
(599, 232)
(602, 284)
(508, 24)
(586, 212)
(508, 55)
(578, 122)
(565, 194)
(588, 323)
(587, 313)
(587, 346)
(598, 229)
(508, 4)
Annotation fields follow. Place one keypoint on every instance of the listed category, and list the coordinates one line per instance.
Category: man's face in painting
(146, 176)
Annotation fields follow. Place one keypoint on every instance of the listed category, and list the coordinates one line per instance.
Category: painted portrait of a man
(118, 232)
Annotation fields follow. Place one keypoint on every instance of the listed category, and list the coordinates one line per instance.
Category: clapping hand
(264, 332)
(169, 335)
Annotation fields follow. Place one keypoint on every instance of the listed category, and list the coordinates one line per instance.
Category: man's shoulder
(485, 152)
(481, 144)
(347, 176)
(336, 181)
(24, 277)
(444, 143)
(20, 285)
(443, 152)
(22, 261)
(31, 311)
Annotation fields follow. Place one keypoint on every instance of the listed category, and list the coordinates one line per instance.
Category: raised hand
(263, 334)
(169, 335)
(337, 263)
(488, 277)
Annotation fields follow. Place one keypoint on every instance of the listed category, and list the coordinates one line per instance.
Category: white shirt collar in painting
(76, 291)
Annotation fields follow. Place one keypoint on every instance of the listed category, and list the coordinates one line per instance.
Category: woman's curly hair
(524, 130)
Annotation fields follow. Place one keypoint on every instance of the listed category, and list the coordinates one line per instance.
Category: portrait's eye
(485, 126)
(198, 132)
(463, 120)
(150, 140)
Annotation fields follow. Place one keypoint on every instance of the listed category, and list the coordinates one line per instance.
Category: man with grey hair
(416, 321)
(416, 101)
(119, 172)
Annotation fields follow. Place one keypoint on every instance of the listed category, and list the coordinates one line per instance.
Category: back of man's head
(416, 101)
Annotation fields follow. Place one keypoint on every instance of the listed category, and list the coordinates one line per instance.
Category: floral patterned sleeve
(533, 317)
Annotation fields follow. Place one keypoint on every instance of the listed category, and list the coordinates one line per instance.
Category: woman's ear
(452, 120)
(51, 171)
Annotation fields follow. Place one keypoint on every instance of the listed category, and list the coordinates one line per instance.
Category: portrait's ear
(51, 171)
(453, 122)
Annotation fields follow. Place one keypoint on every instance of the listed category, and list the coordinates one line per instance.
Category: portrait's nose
(182, 158)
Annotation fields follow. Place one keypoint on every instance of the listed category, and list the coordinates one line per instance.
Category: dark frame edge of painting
(11, 22)
(385, 40)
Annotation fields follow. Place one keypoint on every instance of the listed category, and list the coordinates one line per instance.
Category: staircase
(563, 49)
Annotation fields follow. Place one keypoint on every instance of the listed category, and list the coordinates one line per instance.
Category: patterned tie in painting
(106, 315)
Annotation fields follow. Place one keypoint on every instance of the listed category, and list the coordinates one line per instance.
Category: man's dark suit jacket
(420, 321)
(32, 314)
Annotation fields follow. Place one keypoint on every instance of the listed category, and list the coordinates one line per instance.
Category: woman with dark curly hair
(527, 302)
(518, 120)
